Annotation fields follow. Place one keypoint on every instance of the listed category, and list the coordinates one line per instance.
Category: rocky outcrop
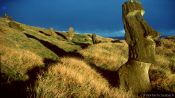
(140, 39)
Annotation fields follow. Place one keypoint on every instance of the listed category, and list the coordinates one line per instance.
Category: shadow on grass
(82, 45)
(63, 36)
(58, 51)
(42, 32)
(23, 89)
(14, 89)
(111, 76)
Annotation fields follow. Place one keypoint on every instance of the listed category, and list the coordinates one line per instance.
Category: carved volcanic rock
(140, 39)
(139, 35)
(134, 76)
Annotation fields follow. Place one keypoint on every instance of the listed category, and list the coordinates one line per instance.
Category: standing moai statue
(70, 33)
(94, 38)
(7, 17)
(130, 0)
(140, 39)
(134, 0)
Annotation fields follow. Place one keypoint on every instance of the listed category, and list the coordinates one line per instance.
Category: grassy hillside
(39, 62)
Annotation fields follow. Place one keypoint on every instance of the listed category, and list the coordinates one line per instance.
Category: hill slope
(42, 62)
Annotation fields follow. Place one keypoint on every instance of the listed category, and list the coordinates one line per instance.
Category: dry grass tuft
(167, 48)
(18, 61)
(74, 78)
(162, 71)
(162, 61)
(106, 55)
(104, 40)
(169, 83)
(162, 79)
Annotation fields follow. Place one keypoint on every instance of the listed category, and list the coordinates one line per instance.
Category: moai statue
(70, 33)
(133, 0)
(94, 38)
(130, 0)
(140, 39)
(7, 17)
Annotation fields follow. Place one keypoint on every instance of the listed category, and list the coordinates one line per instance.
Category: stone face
(132, 7)
(139, 35)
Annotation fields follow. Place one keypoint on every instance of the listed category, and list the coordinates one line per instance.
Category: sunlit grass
(106, 55)
(74, 78)
(18, 61)
(162, 71)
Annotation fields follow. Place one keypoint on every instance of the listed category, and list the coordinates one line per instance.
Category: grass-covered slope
(39, 62)
(35, 62)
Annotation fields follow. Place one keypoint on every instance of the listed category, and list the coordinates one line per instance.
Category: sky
(103, 17)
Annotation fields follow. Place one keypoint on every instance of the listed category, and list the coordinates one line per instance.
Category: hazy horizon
(103, 17)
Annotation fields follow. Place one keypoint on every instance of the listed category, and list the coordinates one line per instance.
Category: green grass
(27, 49)
(28, 56)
